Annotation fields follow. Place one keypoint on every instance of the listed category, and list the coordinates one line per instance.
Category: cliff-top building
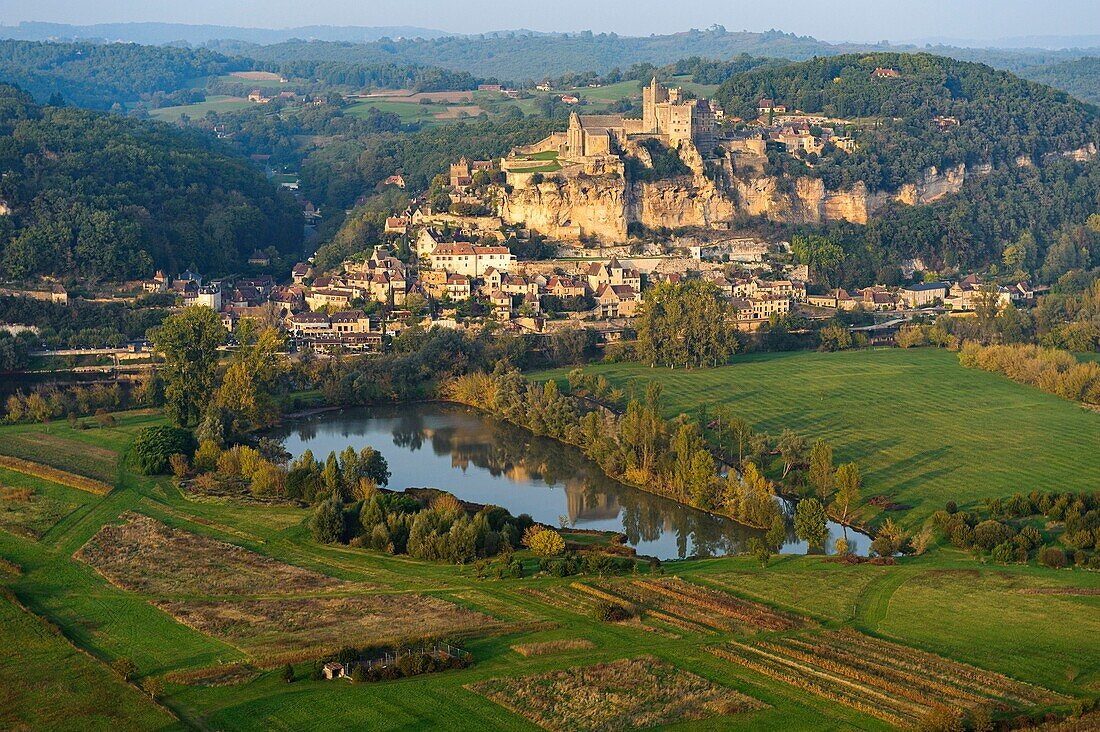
(666, 115)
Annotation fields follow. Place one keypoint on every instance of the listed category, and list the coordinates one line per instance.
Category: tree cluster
(102, 197)
(1007, 532)
(685, 325)
(1051, 370)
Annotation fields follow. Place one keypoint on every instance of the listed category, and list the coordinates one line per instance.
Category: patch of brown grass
(145, 555)
(291, 625)
(626, 694)
(228, 674)
(27, 513)
(549, 648)
(54, 475)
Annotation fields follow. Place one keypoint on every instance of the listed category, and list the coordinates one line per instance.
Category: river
(481, 459)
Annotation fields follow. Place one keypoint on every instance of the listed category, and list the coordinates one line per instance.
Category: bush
(179, 465)
(206, 457)
(547, 543)
(1053, 557)
(327, 522)
(610, 612)
(154, 446)
(288, 673)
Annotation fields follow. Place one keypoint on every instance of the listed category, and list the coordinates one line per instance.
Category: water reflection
(481, 459)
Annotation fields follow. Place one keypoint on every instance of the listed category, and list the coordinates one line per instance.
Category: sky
(833, 20)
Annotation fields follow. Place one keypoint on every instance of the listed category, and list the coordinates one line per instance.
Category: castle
(666, 115)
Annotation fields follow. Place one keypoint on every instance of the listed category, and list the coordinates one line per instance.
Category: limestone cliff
(571, 207)
(602, 203)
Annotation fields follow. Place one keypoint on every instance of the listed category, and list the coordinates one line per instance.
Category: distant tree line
(99, 75)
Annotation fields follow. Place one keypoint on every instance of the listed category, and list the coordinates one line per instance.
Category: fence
(440, 649)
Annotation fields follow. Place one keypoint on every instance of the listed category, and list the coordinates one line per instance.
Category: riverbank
(483, 459)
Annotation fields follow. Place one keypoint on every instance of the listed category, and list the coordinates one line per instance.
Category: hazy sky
(858, 20)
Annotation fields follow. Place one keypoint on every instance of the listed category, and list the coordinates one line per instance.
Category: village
(457, 273)
(449, 262)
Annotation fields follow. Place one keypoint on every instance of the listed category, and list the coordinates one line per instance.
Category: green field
(213, 103)
(939, 602)
(923, 429)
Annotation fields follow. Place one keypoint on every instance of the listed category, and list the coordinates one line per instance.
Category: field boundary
(55, 475)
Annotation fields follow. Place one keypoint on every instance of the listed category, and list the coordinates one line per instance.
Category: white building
(471, 260)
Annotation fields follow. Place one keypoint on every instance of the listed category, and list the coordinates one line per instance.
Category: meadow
(923, 429)
(189, 621)
(213, 103)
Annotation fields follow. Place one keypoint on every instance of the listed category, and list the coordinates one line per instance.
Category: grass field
(213, 103)
(48, 684)
(923, 429)
(196, 558)
(30, 506)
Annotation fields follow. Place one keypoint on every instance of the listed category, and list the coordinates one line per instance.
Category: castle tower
(574, 139)
(649, 106)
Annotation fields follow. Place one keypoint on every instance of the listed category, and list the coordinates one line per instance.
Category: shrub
(1004, 553)
(179, 465)
(206, 457)
(327, 522)
(154, 446)
(547, 543)
(990, 533)
(288, 673)
(1052, 556)
(610, 612)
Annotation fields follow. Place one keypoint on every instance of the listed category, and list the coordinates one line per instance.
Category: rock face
(601, 203)
(572, 207)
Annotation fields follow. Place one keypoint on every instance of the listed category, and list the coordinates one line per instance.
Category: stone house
(612, 273)
(616, 301)
(471, 260)
(923, 294)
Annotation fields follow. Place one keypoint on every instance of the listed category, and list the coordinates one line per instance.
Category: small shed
(334, 670)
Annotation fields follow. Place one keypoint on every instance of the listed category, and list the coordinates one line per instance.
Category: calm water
(481, 459)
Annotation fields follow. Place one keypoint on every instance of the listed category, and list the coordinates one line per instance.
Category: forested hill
(104, 197)
(96, 75)
(516, 57)
(1080, 77)
(1002, 119)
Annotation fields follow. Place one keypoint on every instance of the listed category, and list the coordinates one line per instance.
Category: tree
(810, 522)
(848, 482)
(154, 447)
(702, 486)
(189, 342)
(777, 534)
(760, 551)
(327, 522)
(125, 668)
(685, 325)
(821, 470)
(373, 466)
(792, 449)
(288, 673)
